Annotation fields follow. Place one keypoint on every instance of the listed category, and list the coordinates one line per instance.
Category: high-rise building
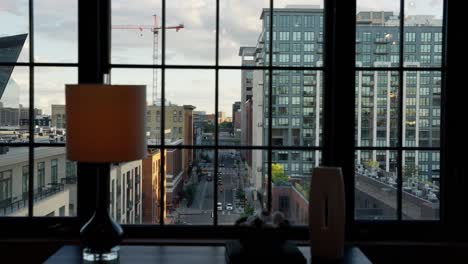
(10, 48)
(247, 57)
(297, 100)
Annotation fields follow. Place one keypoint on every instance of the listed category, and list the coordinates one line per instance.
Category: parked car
(229, 206)
(220, 206)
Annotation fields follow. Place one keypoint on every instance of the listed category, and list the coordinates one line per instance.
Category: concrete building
(54, 183)
(59, 119)
(247, 59)
(12, 116)
(151, 187)
(125, 204)
(179, 119)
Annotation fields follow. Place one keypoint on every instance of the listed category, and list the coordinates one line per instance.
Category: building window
(25, 181)
(5, 187)
(41, 174)
(309, 36)
(54, 171)
(297, 36)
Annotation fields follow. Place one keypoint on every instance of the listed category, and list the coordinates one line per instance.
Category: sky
(240, 25)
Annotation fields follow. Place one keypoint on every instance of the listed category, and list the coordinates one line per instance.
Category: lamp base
(91, 256)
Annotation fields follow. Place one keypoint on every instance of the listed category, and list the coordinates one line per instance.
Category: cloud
(15, 7)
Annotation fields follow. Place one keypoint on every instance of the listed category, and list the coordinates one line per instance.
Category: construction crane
(155, 29)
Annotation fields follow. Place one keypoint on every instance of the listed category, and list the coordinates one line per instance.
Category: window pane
(423, 33)
(56, 31)
(377, 33)
(375, 185)
(152, 79)
(291, 172)
(297, 108)
(194, 92)
(241, 104)
(14, 168)
(189, 191)
(298, 33)
(133, 38)
(55, 189)
(242, 181)
(14, 30)
(421, 189)
(422, 109)
(195, 43)
(14, 102)
(240, 26)
(50, 100)
(376, 114)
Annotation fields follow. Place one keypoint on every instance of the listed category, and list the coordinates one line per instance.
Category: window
(410, 36)
(426, 36)
(5, 187)
(41, 174)
(308, 47)
(297, 36)
(284, 36)
(380, 154)
(54, 171)
(129, 58)
(309, 36)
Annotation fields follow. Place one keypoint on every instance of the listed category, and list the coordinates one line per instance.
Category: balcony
(368, 83)
(15, 204)
(381, 40)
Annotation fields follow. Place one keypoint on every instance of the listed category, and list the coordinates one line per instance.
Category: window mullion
(31, 111)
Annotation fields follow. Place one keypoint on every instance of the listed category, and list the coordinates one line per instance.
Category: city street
(230, 175)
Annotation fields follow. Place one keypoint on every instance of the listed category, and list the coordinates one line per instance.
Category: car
(220, 206)
(208, 178)
(229, 206)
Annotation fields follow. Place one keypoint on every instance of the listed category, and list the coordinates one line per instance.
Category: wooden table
(184, 254)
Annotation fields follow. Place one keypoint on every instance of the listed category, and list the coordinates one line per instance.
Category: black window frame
(338, 129)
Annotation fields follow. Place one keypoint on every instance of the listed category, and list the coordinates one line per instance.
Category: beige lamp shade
(106, 123)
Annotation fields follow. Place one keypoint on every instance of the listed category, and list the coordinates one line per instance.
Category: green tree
(373, 164)
(248, 211)
(411, 170)
(240, 194)
(277, 173)
(227, 125)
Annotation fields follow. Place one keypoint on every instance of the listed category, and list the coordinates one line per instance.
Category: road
(201, 208)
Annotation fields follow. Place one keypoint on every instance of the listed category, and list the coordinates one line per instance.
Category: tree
(373, 164)
(248, 211)
(411, 170)
(227, 125)
(240, 194)
(277, 173)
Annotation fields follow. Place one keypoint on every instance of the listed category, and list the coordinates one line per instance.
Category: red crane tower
(155, 29)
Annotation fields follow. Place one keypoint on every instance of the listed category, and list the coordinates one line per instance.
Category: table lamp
(105, 124)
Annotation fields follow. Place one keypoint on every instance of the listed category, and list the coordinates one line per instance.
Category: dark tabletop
(184, 254)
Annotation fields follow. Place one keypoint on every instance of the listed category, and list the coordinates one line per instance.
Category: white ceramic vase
(327, 213)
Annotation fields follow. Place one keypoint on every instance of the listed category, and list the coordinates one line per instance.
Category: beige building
(179, 120)
(59, 119)
(54, 183)
(125, 204)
